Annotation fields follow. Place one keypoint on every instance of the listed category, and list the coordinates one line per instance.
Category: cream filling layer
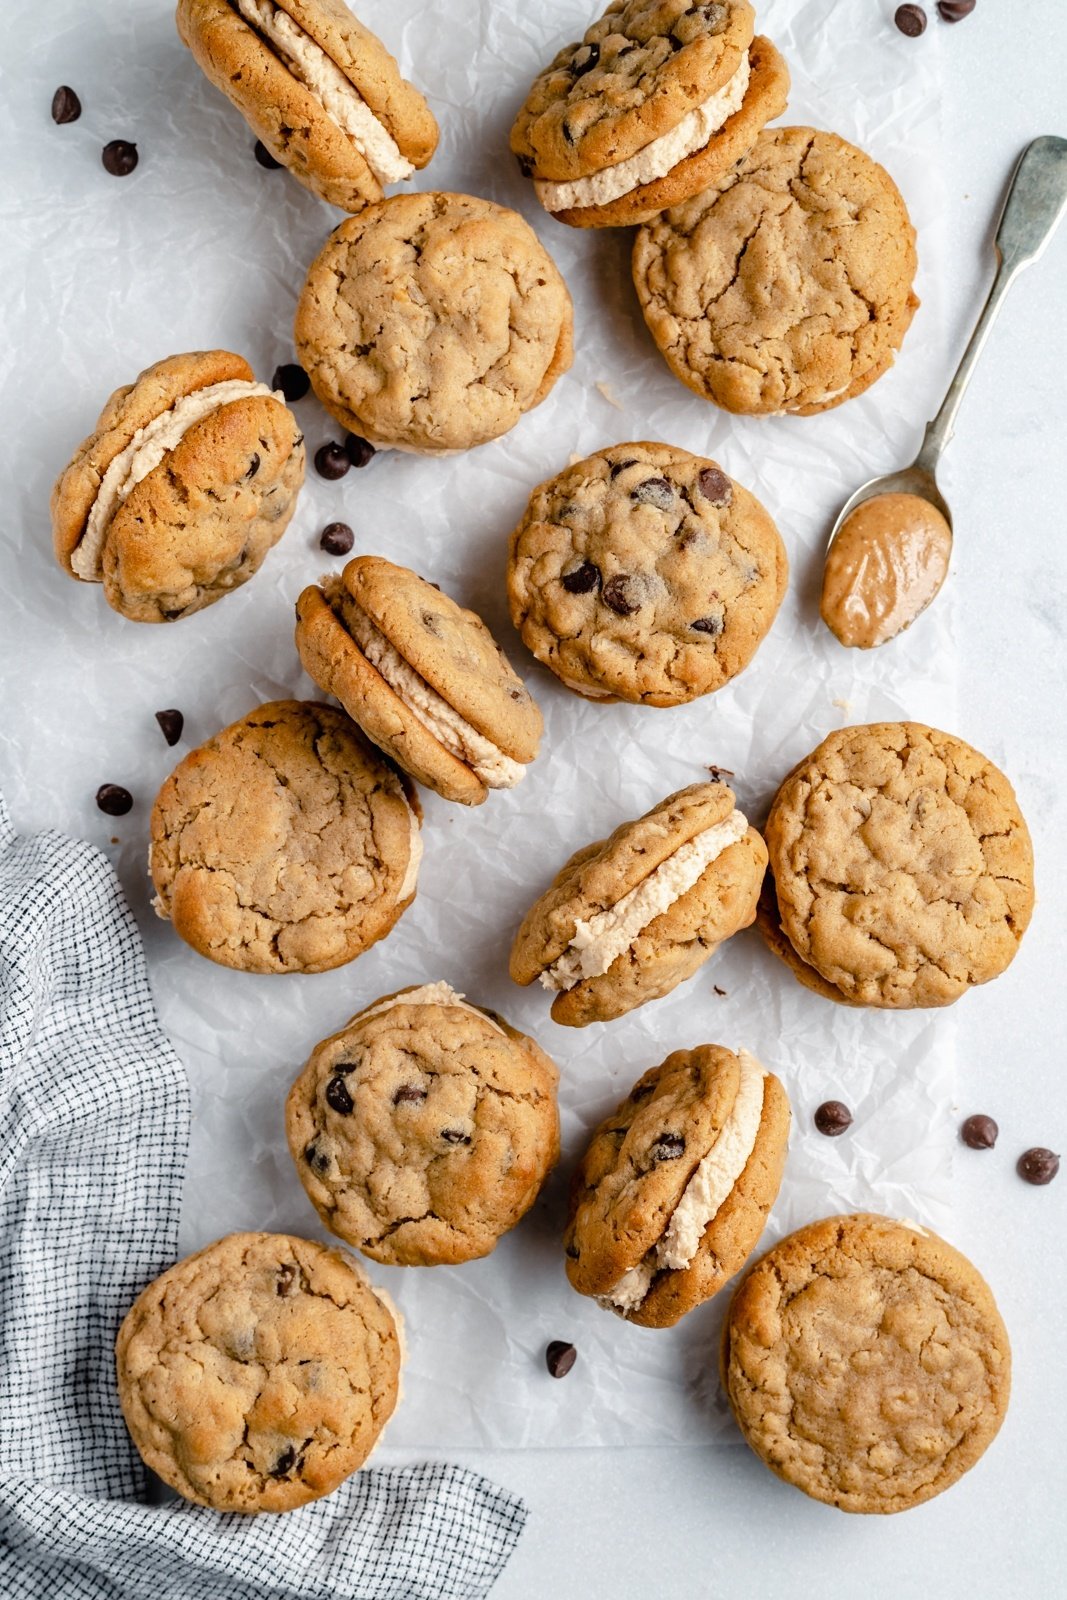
(704, 1195)
(340, 98)
(460, 739)
(142, 455)
(657, 158)
(601, 940)
(411, 876)
(430, 994)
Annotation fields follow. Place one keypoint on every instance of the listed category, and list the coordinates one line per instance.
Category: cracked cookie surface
(787, 286)
(866, 1363)
(259, 1373)
(424, 1129)
(285, 843)
(902, 865)
(645, 574)
(432, 322)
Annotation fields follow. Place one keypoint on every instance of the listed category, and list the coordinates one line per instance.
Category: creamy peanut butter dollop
(886, 564)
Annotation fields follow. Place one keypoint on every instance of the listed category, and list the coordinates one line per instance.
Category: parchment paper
(201, 247)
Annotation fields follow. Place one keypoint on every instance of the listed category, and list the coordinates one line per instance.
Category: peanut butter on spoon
(887, 562)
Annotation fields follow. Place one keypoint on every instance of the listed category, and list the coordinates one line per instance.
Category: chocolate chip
(711, 625)
(832, 1118)
(284, 1464)
(654, 492)
(1038, 1166)
(668, 1147)
(360, 451)
(408, 1094)
(719, 991)
(585, 59)
(582, 580)
(337, 539)
(455, 1136)
(171, 724)
(955, 10)
(719, 773)
(622, 595)
(331, 460)
(621, 466)
(113, 799)
(66, 107)
(715, 15)
(525, 166)
(571, 1252)
(316, 1158)
(119, 158)
(560, 1358)
(338, 1097)
(979, 1132)
(292, 380)
(264, 157)
(715, 486)
(287, 1280)
(910, 20)
(253, 465)
(568, 133)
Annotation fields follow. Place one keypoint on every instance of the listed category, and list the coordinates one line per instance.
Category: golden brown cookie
(285, 843)
(866, 1363)
(189, 479)
(787, 285)
(424, 1130)
(259, 1373)
(676, 1184)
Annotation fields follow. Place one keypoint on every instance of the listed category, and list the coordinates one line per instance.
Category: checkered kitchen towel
(94, 1125)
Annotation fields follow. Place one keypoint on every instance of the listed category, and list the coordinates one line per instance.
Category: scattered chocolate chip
(119, 158)
(284, 1464)
(832, 1118)
(654, 492)
(719, 991)
(568, 133)
(585, 59)
(621, 466)
(331, 460)
(66, 107)
(338, 1097)
(668, 1147)
(571, 1252)
(287, 1280)
(171, 724)
(719, 773)
(525, 166)
(253, 465)
(621, 594)
(715, 486)
(560, 1358)
(114, 800)
(910, 20)
(408, 1094)
(317, 1159)
(292, 380)
(582, 580)
(955, 10)
(337, 539)
(710, 625)
(360, 451)
(455, 1136)
(979, 1132)
(1038, 1166)
(264, 157)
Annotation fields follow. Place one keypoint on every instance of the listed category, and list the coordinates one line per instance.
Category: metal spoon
(1036, 200)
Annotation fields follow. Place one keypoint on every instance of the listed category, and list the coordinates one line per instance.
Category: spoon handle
(1036, 201)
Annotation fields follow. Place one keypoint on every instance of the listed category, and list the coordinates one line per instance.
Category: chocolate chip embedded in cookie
(866, 1363)
(323, 95)
(645, 574)
(424, 1130)
(822, 222)
(902, 866)
(285, 843)
(259, 1373)
(424, 678)
(631, 917)
(432, 322)
(179, 495)
(673, 1191)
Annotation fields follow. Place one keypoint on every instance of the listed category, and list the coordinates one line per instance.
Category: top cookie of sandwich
(423, 677)
(320, 91)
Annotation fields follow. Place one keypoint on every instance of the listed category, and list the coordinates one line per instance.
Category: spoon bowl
(916, 480)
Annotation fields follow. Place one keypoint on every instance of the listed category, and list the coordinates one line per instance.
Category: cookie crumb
(608, 393)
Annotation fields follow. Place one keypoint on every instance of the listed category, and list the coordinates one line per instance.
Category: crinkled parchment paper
(201, 247)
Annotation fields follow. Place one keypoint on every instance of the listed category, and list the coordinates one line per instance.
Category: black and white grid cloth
(94, 1126)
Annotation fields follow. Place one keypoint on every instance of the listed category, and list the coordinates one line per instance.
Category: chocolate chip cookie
(285, 843)
(432, 322)
(188, 481)
(824, 225)
(645, 574)
(673, 1191)
(658, 100)
(866, 1363)
(317, 88)
(631, 917)
(424, 1130)
(424, 678)
(259, 1373)
(902, 867)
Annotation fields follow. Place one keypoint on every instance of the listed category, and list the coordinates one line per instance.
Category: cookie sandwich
(423, 677)
(657, 102)
(672, 1194)
(285, 843)
(815, 218)
(645, 574)
(630, 917)
(866, 1363)
(902, 868)
(433, 322)
(188, 480)
(321, 93)
(259, 1373)
(424, 1129)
